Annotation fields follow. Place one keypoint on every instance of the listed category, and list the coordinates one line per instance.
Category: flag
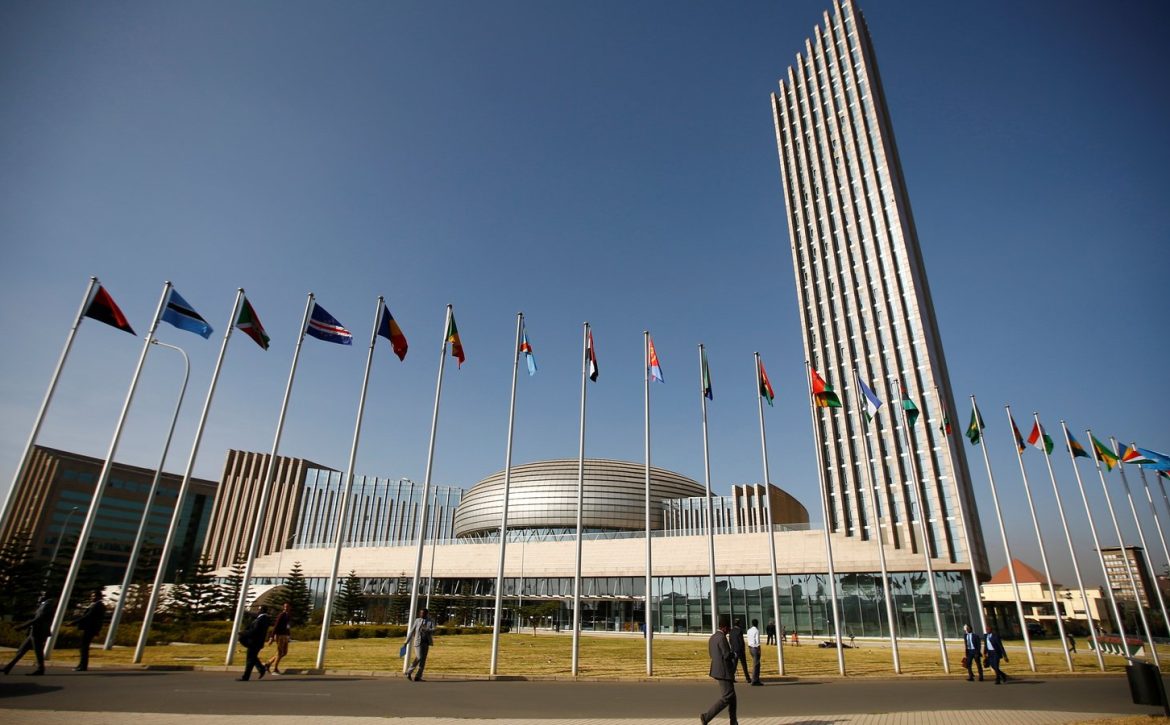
(249, 324)
(655, 368)
(456, 343)
(182, 315)
(389, 329)
(910, 408)
(823, 394)
(975, 427)
(708, 391)
(765, 385)
(1037, 435)
(591, 356)
(1077, 450)
(945, 426)
(1106, 456)
(102, 308)
(1161, 461)
(1132, 455)
(872, 403)
(1016, 432)
(526, 348)
(325, 326)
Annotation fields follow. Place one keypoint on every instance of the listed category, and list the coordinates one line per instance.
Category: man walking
(421, 636)
(90, 623)
(735, 639)
(253, 640)
(972, 652)
(995, 653)
(753, 644)
(723, 666)
(38, 634)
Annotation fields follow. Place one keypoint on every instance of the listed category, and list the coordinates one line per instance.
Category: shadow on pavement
(23, 689)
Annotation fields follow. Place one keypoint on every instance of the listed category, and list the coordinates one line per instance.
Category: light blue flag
(182, 315)
(872, 403)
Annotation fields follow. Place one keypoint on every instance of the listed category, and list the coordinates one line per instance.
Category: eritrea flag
(823, 395)
(102, 308)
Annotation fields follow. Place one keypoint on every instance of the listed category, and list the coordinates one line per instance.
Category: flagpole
(920, 496)
(172, 530)
(580, 504)
(507, 490)
(1137, 597)
(1040, 540)
(1154, 512)
(343, 507)
(967, 522)
(36, 429)
(100, 487)
(1071, 550)
(266, 491)
(1141, 536)
(425, 500)
(131, 565)
(649, 623)
(877, 534)
(771, 524)
(825, 512)
(710, 504)
(1096, 545)
(1007, 549)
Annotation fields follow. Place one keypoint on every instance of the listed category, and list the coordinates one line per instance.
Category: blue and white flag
(182, 315)
(325, 326)
(1154, 461)
(871, 400)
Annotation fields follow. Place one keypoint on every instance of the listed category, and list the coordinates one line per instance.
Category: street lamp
(57, 549)
(130, 566)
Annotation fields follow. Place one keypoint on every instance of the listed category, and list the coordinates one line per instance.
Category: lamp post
(57, 548)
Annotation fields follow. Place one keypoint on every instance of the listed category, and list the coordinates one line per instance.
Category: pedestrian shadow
(292, 679)
(118, 673)
(24, 689)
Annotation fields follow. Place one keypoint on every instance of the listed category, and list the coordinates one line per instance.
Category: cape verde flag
(325, 326)
(182, 315)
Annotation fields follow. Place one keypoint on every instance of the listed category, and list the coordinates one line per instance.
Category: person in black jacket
(723, 666)
(39, 628)
(90, 623)
(253, 639)
(995, 653)
(735, 639)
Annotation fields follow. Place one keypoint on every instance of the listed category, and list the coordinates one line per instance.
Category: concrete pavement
(185, 698)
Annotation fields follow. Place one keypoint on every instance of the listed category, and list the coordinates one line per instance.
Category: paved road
(83, 697)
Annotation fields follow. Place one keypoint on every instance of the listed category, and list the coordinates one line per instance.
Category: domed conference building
(462, 549)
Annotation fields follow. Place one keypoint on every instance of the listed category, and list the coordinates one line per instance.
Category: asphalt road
(306, 695)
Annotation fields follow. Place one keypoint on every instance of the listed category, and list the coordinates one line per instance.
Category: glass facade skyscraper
(865, 304)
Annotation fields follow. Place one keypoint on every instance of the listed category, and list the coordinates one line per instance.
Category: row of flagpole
(174, 309)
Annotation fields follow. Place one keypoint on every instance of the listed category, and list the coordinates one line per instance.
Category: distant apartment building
(1132, 558)
(52, 498)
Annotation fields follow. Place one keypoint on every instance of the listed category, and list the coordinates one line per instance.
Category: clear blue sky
(607, 161)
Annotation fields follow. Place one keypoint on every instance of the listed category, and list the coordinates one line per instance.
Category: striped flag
(1039, 439)
(325, 326)
(591, 356)
(872, 402)
(182, 315)
(248, 323)
(389, 329)
(1075, 448)
(456, 343)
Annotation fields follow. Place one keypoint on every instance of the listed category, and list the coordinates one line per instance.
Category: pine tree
(229, 590)
(195, 598)
(351, 601)
(21, 576)
(298, 595)
(400, 602)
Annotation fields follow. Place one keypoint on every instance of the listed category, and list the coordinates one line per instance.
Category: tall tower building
(865, 302)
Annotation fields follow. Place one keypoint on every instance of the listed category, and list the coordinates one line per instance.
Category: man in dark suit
(995, 652)
(972, 652)
(90, 623)
(253, 640)
(39, 628)
(735, 639)
(723, 666)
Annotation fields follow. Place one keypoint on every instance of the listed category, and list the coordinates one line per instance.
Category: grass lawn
(601, 657)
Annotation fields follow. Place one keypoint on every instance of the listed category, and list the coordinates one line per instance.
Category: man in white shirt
(753, 645)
